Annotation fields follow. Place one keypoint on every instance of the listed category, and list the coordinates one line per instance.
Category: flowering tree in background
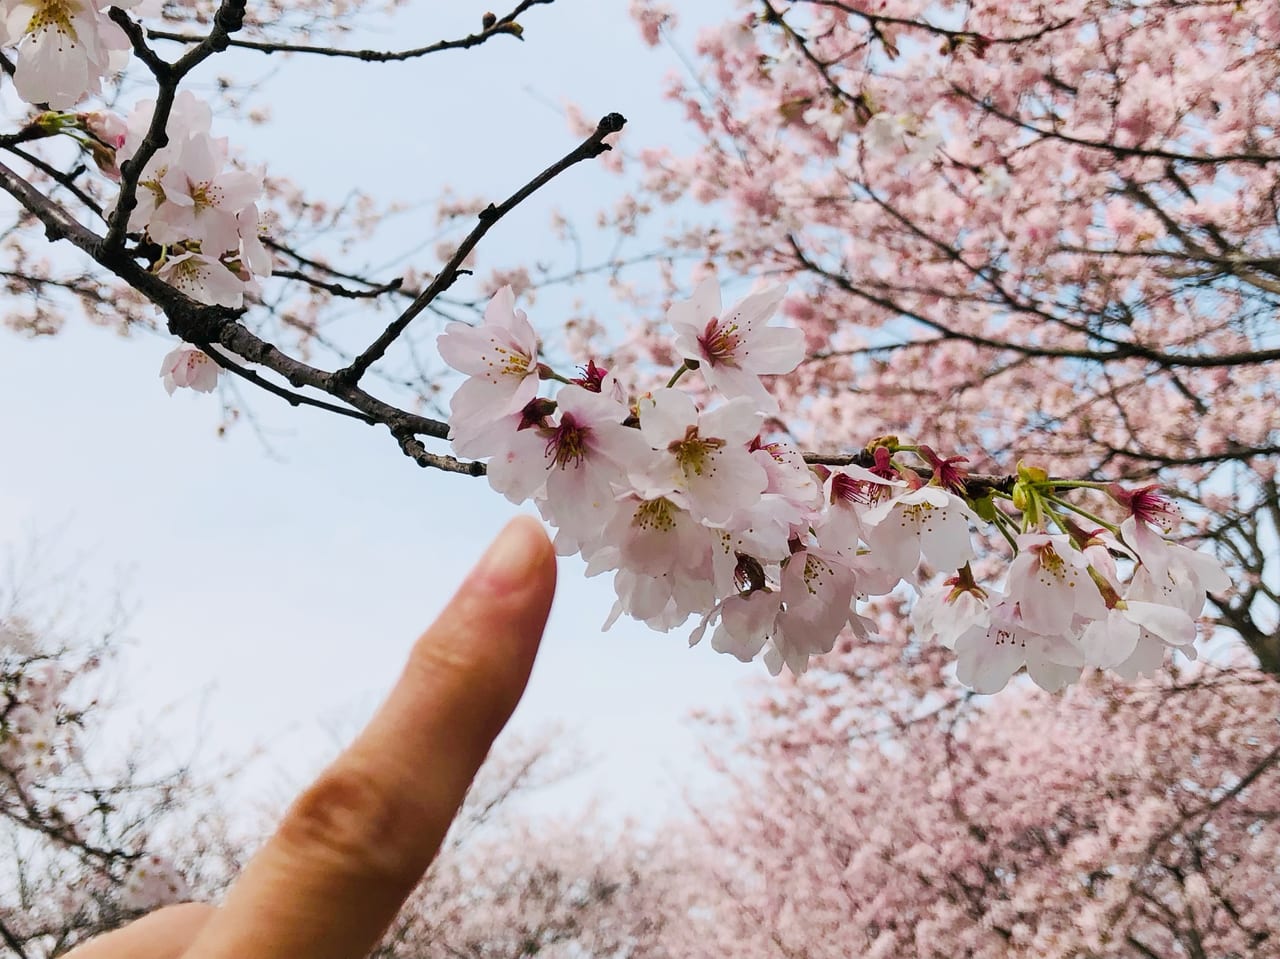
(91, 841)
(1034, 230)
(1112, 821)
(1019, 273)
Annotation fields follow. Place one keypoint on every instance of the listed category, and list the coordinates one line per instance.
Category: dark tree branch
(228, 19)
(290, 397)
(501, 25)
(337, 289)
(590, 148)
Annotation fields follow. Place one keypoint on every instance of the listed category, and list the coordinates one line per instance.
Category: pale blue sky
(277, 594)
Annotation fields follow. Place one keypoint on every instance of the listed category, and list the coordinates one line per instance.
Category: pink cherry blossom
(500, 359)
(702, 458)
(202, 200)
(1049, 581)
(989, 654)
(734, 348)
(817, 594)
(928, 521)
(587, 456)
(205, 279)
(656, 536)
(191, 368)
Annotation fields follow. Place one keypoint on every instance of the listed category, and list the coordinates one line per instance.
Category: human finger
(352, 847)
(164, 934)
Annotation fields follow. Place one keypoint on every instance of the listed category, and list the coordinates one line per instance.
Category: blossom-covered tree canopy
(1011, 229)
(1115, 821)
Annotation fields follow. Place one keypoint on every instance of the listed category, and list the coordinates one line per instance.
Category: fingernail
(509, 560)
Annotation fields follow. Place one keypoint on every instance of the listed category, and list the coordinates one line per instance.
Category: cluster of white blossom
(198, 208)
(64, 47)
(202, 212)
(701, 514)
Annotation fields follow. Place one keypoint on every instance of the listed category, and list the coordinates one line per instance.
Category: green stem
(546, 373)
(1054, 485)
(1002, 523)
(1083, 512)
(684, 368)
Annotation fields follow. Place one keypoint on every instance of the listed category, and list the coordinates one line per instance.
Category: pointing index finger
(352, 847)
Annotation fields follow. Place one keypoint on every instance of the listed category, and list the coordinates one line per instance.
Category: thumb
(352, 847)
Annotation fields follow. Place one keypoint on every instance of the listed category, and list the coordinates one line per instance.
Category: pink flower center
(1150, 507)
(568, 443)
(846, 489)
(719, 343)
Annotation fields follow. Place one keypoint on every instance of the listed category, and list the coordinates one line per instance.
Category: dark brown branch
(62, 179)
(204, 324)
(290, 397)
(337, 289)
(414, 449)
(1120, 351)
(590, 148)
(228, 19)
(1197, 159)
(502, 25)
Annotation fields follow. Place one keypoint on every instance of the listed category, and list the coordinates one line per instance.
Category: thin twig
(228, 19)
(292, 398)
(502, 25)
(590, 148)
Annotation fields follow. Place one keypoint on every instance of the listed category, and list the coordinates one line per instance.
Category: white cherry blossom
(702, 459)
(189, 367)
(205, 279)
(944, 611)
(1049, 581)
(734, 348)
(928, 521)
(500, 359)
(1113, 640)
(64, 49)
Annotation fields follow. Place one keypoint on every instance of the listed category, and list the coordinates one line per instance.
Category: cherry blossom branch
(493, 26)
(65, 180)
(201, 323)
(228, 19)
(593, 146)
(954, 37)
(337, 289)
(1121, 350)
(292, 398)
(1197, 159)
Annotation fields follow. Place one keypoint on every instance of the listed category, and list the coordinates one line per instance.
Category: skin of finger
(164, 934)
(353, 845)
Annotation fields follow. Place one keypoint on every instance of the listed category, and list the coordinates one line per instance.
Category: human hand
(352, 847)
